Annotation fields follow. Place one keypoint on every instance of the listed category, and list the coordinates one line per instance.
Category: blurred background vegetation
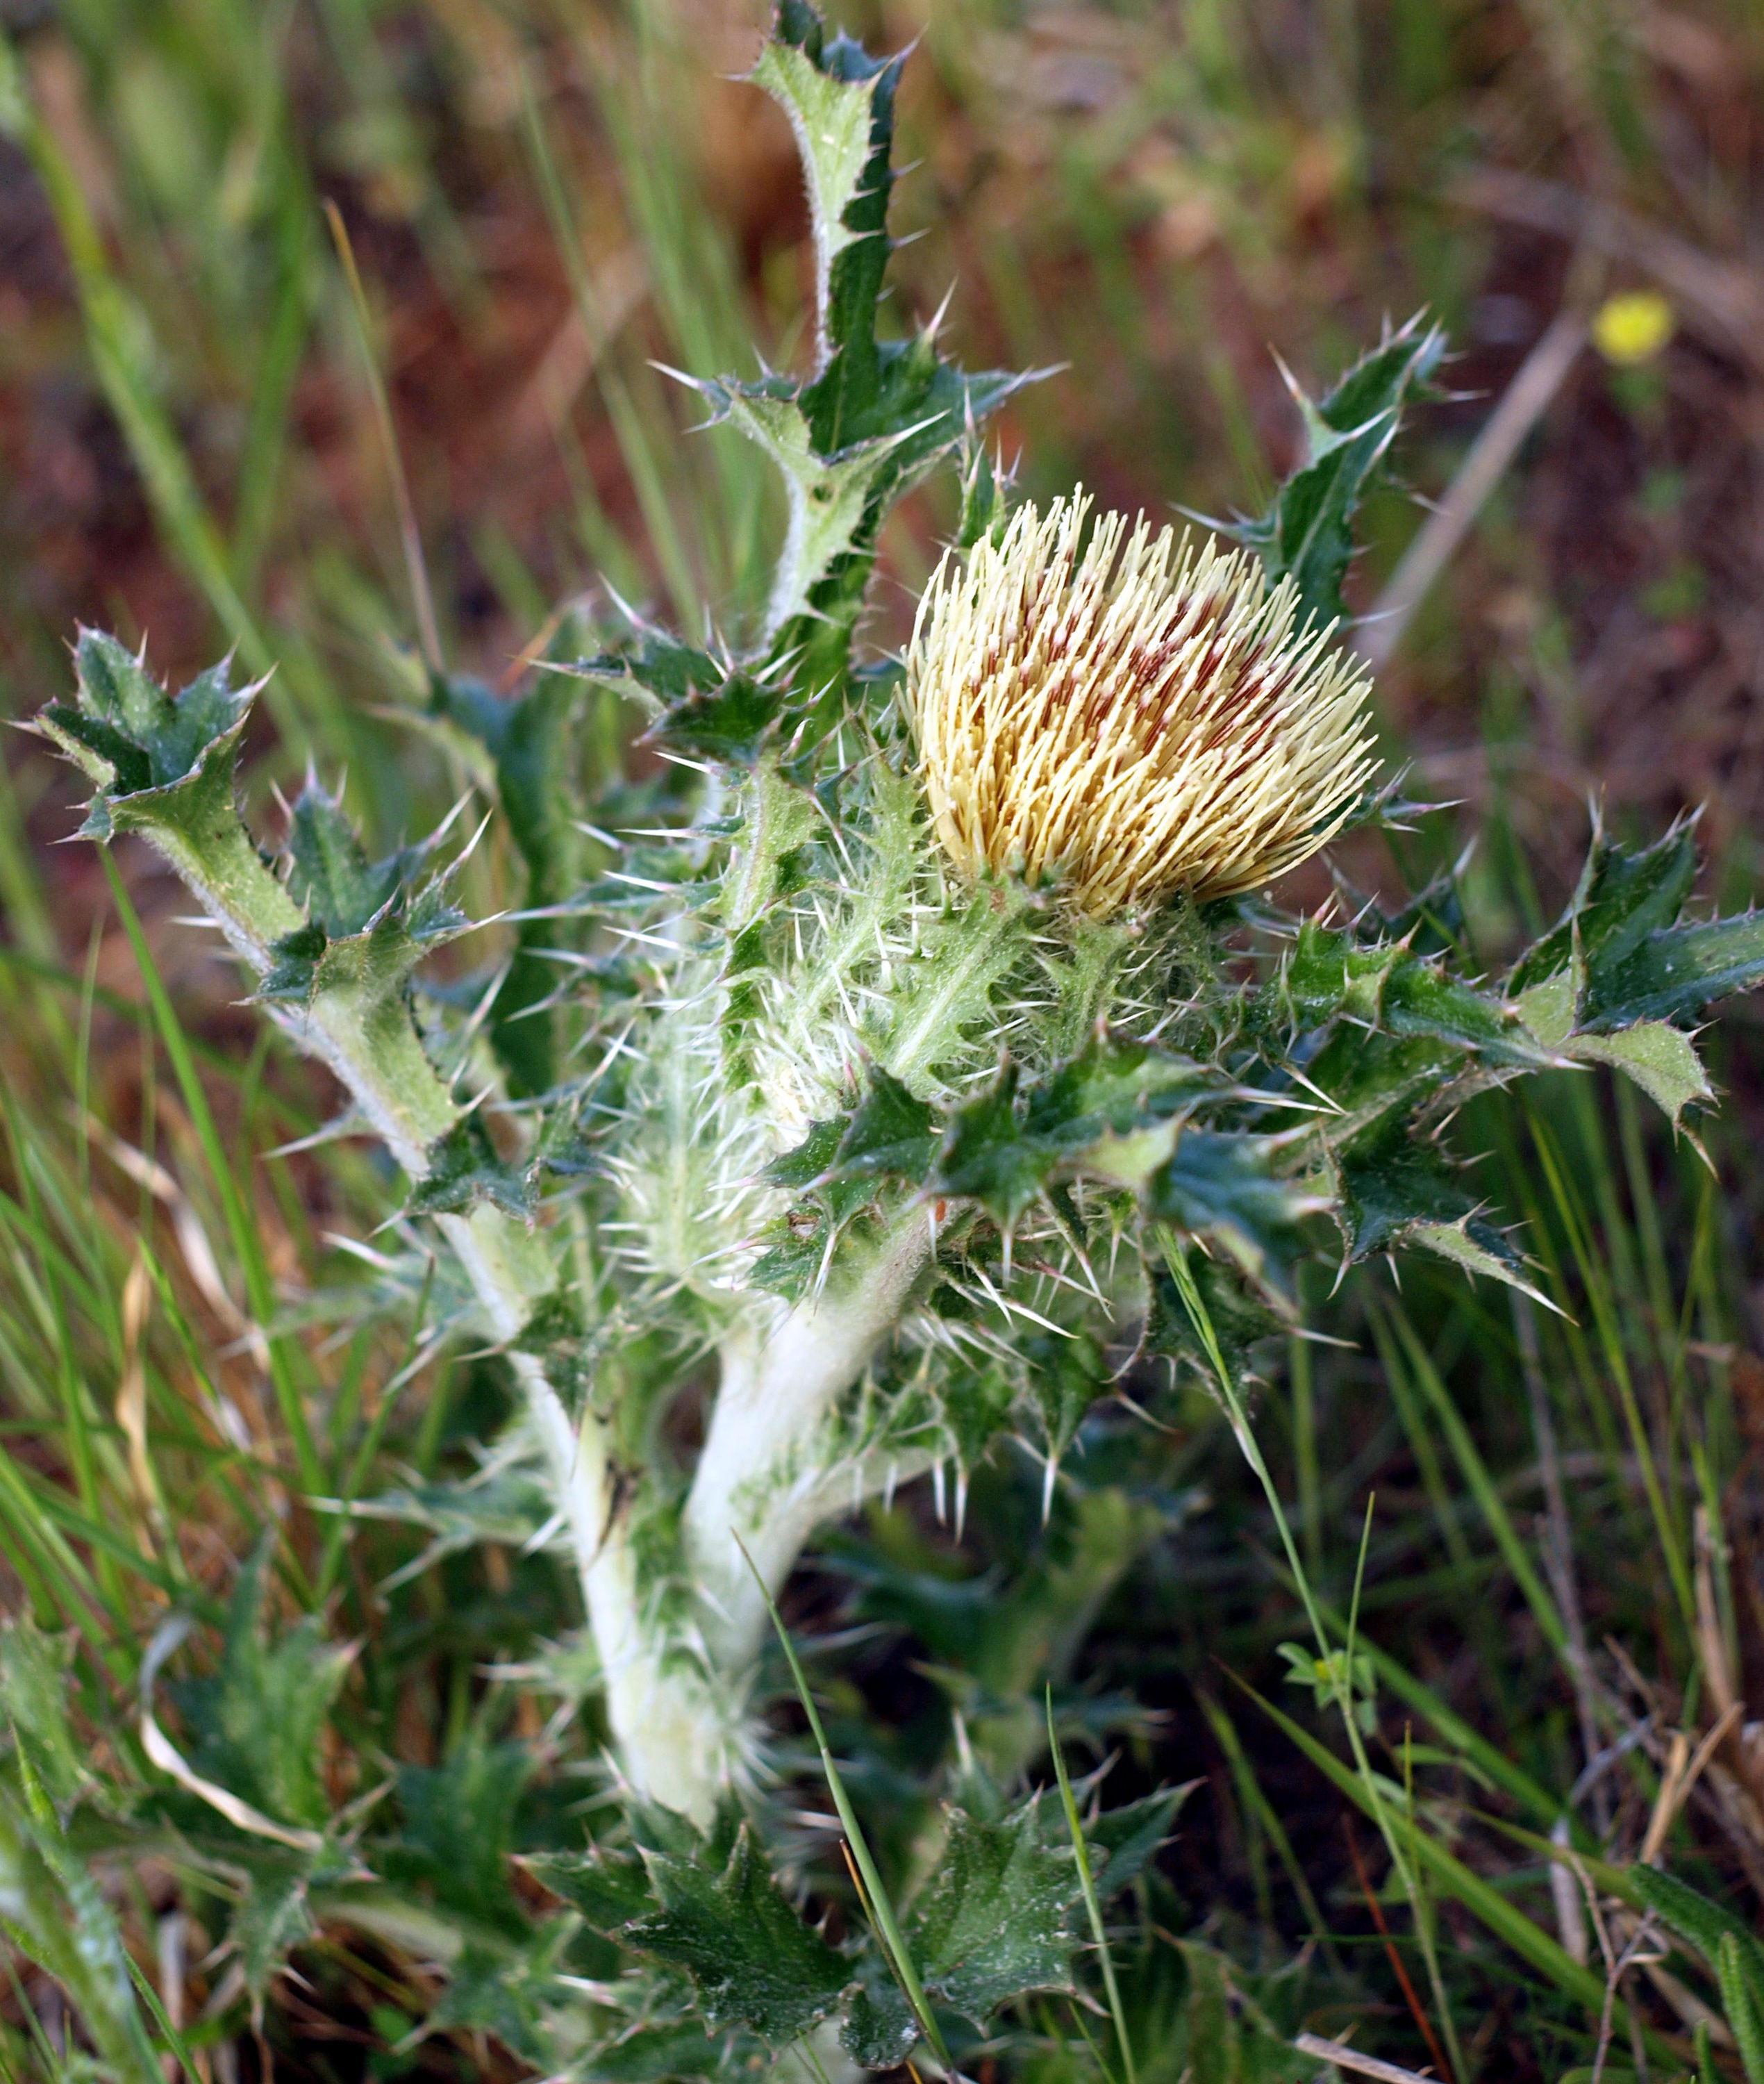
(1161, 203)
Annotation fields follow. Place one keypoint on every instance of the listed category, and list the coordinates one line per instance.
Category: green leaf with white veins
(993, 1921)
(1674, 973)
(752, 1959)
(839, 103)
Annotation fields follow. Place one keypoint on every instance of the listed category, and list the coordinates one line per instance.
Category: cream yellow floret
(1129, 713)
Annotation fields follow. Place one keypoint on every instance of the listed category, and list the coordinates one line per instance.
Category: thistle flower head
(1139, 715)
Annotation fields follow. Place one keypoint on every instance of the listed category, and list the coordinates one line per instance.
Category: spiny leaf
(752, 1959)
(457, 1829)
(874, 415)
(993, 1921)
(1661, 1059)
(1130, 1836)
(1230, 1187)
(699, 704)
(329, 874)
(731, 720)
(977, 1402)
(1240, 1318)
(840, 101)
(1620, 898)
(463, 1169)
(659, 2052)
(506, 1503)
(887, 1134)
(256, 1723)
(1066, 1377)
(1626, 952)
(985, 1157)
(1397, 1188)
(1329, 975)
(1109, 1110)
(125, 721)
(490, 1990)
(164, 765)
(1307, 533)
(1675, 973)
(271, 1918)
(368, 923)
(841, 1165)
(879, 2029)
(611, 1890)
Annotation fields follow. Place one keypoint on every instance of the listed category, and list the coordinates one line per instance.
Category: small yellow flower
(1137, 716)
(1632, 327)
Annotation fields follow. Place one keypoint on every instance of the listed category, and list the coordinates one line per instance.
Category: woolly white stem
(671, 1731)
(759, 1475)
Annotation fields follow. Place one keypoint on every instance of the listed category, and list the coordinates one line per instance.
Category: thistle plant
(919, 1051)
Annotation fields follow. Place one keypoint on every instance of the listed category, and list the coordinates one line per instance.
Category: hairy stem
(763, 1475)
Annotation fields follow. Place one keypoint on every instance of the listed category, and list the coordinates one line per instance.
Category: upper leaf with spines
(1307, 532)
(873, 415)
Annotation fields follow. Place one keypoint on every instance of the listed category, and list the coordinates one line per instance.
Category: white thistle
(1130, 714)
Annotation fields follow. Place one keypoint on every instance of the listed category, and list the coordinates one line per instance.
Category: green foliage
(1111, 1111)
(463, 1169)
(457, 1831)
(1307, 534)
(750, 1957)
(255, 1723)
(993, 1921)
(876, 414)
(1729, 1946)
(532, 741)
(35, 1680)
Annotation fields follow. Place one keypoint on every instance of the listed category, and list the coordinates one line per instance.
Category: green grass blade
(260, 1292)
(1481, 1486)
(1092, 1909)
(881, 1909)
(1528, 1941)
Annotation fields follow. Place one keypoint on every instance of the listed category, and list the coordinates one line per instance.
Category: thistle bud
(1129, 714)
